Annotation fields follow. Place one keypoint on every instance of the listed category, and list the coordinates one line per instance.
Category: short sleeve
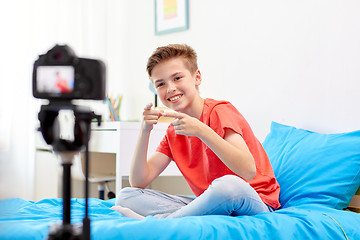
(225, 116)
(164, 147)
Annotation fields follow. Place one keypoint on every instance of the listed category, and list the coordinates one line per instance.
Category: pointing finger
(148, 106)
(173, 114)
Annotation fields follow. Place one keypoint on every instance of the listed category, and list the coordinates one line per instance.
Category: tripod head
(50, 131)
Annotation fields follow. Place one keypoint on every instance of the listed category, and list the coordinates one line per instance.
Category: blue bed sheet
(20, 219)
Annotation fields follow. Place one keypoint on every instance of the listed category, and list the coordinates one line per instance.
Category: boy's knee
(125, 194)
(229, 185)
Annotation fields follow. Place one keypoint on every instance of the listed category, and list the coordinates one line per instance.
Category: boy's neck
(196, 108)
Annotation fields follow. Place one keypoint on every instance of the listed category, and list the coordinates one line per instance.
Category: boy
(210, 142)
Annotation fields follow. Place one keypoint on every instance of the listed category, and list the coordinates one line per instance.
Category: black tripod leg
(66, 193)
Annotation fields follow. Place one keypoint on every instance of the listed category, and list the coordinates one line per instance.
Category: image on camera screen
(55, 79)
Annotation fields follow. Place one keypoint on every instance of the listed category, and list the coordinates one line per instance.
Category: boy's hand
(150, 117)
(184, 124)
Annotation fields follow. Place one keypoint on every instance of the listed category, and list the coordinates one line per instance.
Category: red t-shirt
(200, 165)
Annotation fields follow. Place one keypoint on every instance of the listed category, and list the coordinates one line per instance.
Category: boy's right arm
(143, 171)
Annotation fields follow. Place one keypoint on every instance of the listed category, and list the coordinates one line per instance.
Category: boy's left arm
(231, 149)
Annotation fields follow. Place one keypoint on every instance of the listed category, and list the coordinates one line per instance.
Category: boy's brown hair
(164, 53)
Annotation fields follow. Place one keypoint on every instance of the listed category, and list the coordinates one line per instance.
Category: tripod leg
(66, 193)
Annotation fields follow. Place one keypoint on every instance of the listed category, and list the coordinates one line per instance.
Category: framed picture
(171, 16)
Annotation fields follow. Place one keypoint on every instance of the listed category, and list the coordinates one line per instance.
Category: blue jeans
(227, 195)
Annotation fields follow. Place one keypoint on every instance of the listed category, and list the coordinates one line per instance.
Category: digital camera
(61, 75)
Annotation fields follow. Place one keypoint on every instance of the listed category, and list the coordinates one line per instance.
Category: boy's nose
(171, 87)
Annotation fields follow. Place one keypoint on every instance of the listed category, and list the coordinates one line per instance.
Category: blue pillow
(314, 168)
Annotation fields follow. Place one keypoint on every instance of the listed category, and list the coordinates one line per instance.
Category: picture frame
(171, 16)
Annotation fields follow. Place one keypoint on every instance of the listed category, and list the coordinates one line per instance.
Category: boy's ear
(197, 77)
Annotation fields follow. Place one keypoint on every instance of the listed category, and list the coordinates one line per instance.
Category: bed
(318, 175)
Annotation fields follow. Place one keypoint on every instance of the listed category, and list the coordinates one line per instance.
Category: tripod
(67, 150)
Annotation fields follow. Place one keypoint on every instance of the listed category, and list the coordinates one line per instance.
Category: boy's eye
(177, 78)
(159, 85)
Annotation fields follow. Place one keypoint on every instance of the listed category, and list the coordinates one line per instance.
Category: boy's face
(175, 85)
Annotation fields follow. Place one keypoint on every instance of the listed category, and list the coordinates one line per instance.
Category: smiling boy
(211, 143)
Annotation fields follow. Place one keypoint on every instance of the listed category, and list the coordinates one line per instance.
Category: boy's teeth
(174, 98)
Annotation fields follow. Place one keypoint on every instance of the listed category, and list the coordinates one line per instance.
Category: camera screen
(55, 79)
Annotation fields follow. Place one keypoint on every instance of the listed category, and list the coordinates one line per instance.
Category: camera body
(59, 75)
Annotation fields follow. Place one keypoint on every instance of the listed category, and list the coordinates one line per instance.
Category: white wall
(295, 62)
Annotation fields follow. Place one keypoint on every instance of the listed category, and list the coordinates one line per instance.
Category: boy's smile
(176, 86)
(175, 98)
